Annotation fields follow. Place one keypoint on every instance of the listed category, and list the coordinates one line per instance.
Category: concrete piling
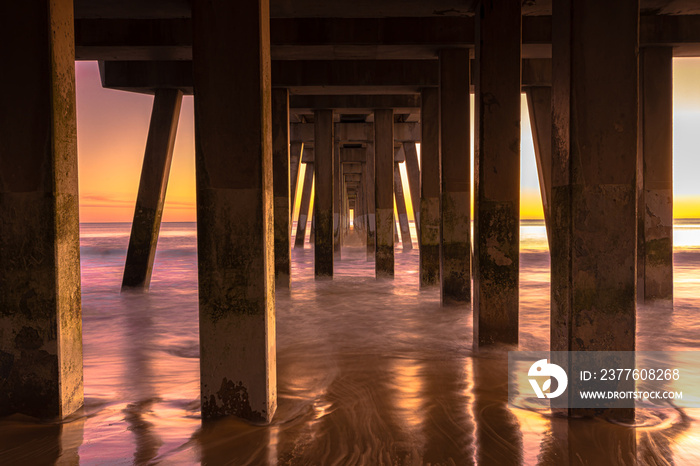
(296, 150)
(406, 243)
(455, 206)
(235, 245)
(497, 166)
(655, 175)
(370, 199)
(430, 186)
(152, 187)
(338, 198)
(594, 160)
(281, 177)
(324, 193)
(41, 353)
(384, 188)
(413, 171)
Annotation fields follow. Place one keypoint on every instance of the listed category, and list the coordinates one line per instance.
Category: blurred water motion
(369, 372)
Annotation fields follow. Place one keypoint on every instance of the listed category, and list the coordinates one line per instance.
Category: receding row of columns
(607, 191)
(343, 189)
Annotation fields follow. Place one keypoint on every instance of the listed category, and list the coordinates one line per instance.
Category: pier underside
(358, 94)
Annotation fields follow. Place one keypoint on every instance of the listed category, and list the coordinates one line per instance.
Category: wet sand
(369, 372)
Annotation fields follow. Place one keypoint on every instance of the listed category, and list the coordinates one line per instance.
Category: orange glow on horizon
(113, 126)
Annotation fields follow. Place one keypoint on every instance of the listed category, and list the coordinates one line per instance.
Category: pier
(349, 90)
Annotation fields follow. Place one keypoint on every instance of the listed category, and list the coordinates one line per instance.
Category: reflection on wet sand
(368, 373)
(138, 368)
(499, 440)
(24, 441)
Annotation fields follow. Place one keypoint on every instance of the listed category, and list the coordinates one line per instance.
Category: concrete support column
(401, 208)
(345, 209)
(430, 186)
(41, 353)
(455, 207)
(357, 214)
(305, 203)
(384, 189)
(370, 200)
(324, 193)
(396, 230)
(280, 177)
(497, 160)
(593, 208)
(235, 208)
(539, 102)
(337, 198)
(295, 151)
(312, 234)
(361, 209)
(152, 188)
(413, 171)
(655, 167)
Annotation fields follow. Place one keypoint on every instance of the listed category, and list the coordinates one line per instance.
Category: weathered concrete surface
(406, 243)
(356, 205)
(497, 181)
(323, 193)
(41, 366)
(593, 206)
(370, 201)
(343, 206)
(384, 188)
(359, 220)
(312, 234)
(430, 188)
(539, 102)
(235, 209)
(295, 151)
(337, 198)
(655, 167)
(152, 187)
(413, 171)
(280, 185)
(455, 208)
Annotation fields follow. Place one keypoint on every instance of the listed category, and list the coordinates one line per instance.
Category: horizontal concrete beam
(352, 168)
(347, 38)
(345, 9)
(354, 73)
(354, 132)
(323, 77)
(353, 178)
(370, 8)
(354, 104)
(328, 78)
(354, 155)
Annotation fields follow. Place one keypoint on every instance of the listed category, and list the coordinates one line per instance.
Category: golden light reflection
(534, 428)
(409, 398)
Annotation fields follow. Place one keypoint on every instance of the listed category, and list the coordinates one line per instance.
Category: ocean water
(369, 372)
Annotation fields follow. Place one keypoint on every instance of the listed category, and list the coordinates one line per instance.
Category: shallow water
(368, 372)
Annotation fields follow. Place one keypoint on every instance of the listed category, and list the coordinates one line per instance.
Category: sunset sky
(113, 125)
